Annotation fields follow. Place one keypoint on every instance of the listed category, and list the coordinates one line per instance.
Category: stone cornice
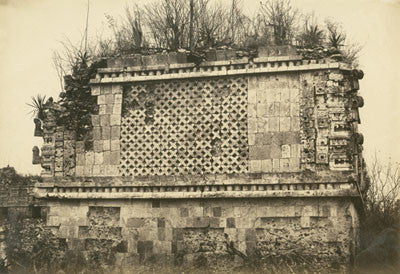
(207, 186)
(192, 191)
(213, 68)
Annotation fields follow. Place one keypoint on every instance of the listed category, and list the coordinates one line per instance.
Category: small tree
(382, 203)
(211, 24)
(281, 16)
(168, 23)
(312, 35)
(128, 34)
(335, 35)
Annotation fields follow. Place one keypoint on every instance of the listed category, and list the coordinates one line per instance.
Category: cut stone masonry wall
(274, 134)
(180, 232)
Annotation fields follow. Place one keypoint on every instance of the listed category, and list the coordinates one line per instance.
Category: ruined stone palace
(220, 161)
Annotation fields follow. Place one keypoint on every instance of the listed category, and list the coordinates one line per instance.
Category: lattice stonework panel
(185, 127)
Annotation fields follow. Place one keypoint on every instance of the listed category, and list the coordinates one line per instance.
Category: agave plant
(336, 37)
(37, 105)
(312, 36)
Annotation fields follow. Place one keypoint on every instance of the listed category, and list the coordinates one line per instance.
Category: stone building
(215, 163)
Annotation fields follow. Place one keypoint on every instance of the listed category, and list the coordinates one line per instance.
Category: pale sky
(31, 29)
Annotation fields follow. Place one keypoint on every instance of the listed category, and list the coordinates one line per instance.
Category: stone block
(136, 222)
(252, 96)
(295, 151)
(80, 159)
(294, 95)
(220, 54)
(201, 222)
(97, 169)
(106, 145)
(53, 221)
(118, 99)
(276, 95)
(145, 247)
(285, 95)
(105, 133)
(259, 152)
(109, 99)
(95, 90)
(79, 170)
(161, 234)
(80, 146)
(89, 158)
(102, 109)
(275, 165)
(98, 158)
(115, 132)
(284, 123)
(305, 221)
(105, 120)
(275, 151)
(106, 157)
(270, 108)
(216, 211)
(294, 164)
(285, 151)
(115, 120)
(105, 89)
(335, 76)
(215, 222)
(184, 212)
(253, 83)
(262, 125)
(262, 110)
(115, 145)
(252, 125)
(252, 139)
(95, 120)
(266, 165)
(96, 133)
(262, 96)
(117, 109)
(101, 100)
(211, 55)
(230, 223)
(284, 165)
(295, 123)
(88, 170)
(273, 125)
(277, 108)
(252, 110)
(259, 139)
(284, 109)
(250, 235)
(111, 170)
(116, 89)
(109, 109)
(255, 166)
(98, 145)
(114, 158)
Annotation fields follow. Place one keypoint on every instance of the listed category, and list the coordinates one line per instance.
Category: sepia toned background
(31, 30)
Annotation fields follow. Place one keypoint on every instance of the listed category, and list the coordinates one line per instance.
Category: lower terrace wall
(218, 233)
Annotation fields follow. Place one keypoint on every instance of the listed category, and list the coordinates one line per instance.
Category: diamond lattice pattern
(185, 127)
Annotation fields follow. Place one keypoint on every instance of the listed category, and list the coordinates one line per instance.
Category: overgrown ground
(31, 247)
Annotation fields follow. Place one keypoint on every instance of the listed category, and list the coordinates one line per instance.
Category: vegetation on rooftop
(180, 25)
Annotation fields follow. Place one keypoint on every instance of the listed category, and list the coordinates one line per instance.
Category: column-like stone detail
(274, 123)
(104, 158)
